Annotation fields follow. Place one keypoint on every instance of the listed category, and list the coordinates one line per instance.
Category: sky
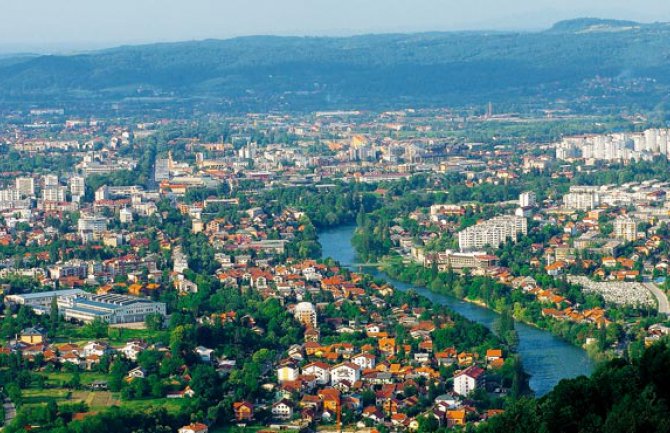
(75, 25)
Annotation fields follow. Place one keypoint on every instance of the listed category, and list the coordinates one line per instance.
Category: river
(547, 358)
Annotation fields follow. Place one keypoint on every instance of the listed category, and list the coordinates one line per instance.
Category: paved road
(663, 304)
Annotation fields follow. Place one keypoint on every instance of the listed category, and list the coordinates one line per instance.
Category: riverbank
(389, 268)
(545, 357)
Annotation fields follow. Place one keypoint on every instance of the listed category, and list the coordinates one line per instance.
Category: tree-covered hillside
(587, 62)
(620, 396)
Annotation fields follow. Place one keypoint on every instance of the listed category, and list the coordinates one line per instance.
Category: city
(314, 247)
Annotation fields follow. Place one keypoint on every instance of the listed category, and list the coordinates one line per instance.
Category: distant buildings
(54, 193)
(615, 146)
(492, 232)
(42, 300)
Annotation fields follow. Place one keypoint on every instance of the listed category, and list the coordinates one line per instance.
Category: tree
(154, 322)
(53, 317)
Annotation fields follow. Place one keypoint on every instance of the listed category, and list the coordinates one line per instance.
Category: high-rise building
(527, 199)
(305, 313)
(625, 228)
(91, 223)
(162, 169)
(25, 186)
(492, 232)
(50, 180)
(54, 193)
(582, 198)
(9, 195)
(77, 186)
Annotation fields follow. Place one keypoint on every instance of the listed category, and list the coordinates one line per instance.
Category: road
(663, 304)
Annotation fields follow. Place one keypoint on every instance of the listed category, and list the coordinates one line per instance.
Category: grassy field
(236, 429)
(38, 396)
(96, 400)
(171, 404)
(56, 379)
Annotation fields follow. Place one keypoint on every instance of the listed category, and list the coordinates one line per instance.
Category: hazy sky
(53, 25)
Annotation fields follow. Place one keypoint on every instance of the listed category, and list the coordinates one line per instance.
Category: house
(446, 357)
(373, 413)
(364, 360)
(283, 409)
(287, 372)
(455, 418)
(94, 348)
(466, 381)
(132, 349)
(99, 385)
(387, 345)
(194, 428)
(244, 411)
(330, 398)
(32, 336)
(137, 373)
(205, 354)
(320, 370)
(346, 371)
(493, 355)
(184, 393)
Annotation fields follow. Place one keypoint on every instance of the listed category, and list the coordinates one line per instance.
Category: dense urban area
(166, 274)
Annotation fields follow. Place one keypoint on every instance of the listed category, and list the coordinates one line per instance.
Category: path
(663, 304)
(10, 411)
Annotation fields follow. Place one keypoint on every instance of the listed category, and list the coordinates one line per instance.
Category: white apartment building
(305, 313)
(9, 195)
(50, 180)
(492, 232)
(582, 198)
(625, 228)
(527, 199)
(89, 223)
(77, 186)
(25, 186)
(54, 193)
(620, 146)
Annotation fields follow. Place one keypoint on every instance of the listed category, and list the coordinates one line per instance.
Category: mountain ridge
(416, 68)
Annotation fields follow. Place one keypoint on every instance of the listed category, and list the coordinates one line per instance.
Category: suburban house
(194, 428)
(466, 381)
(244, 411)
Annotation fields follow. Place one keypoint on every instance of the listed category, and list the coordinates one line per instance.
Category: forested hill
(620, 397)
(584, 62)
